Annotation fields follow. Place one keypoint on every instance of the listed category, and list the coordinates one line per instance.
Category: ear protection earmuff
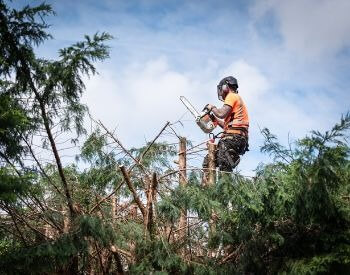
(222, 91)
(225, 88)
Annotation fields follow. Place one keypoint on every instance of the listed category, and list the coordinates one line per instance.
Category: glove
(212, 117)
(209, 107)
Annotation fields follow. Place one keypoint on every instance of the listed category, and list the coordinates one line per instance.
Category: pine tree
(39, 97)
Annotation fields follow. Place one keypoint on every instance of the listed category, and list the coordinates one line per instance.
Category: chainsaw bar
(189, 107)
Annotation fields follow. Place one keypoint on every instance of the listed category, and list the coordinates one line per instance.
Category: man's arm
(222, 112)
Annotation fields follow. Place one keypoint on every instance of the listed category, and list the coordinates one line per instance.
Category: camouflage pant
(228, 151)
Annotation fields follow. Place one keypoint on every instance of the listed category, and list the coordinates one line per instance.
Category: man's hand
(210, 107)
(212, 117)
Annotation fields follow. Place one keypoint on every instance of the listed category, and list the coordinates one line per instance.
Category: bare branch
(117, 141)
(150, 145)
(41, 168)
(153, 141)
(133, 191)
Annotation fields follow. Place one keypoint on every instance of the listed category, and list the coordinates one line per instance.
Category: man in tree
(233, 118)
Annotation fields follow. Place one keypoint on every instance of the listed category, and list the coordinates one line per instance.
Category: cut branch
(182, 183)
(133, 191)
(149, 208)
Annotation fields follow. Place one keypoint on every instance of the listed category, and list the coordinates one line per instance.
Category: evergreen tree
(39, 97)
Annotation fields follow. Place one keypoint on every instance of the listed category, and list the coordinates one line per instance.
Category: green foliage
(43, 258)
(102, 172)
(157, 157)
(92, 150)
(167, 210)
(157, 256)
(128, 231)
(160, 257)
(13, 124)
(12, 185)
(303, 214)
(93, 227)
(337, 262)
(58, 254)
(56, 86)
(61, 83)
(42, 95)
(19, 31)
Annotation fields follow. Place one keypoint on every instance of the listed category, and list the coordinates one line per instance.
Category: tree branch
(133, 191)
(149, 146)
(117, 258)
(137, 162)
(40, 167)
(149, 208)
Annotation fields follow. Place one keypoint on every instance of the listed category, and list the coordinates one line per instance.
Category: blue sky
(291, 58)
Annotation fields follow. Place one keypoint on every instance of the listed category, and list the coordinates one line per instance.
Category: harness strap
(238, 130)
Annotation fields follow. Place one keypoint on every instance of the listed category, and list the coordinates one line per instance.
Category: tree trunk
(182, 182)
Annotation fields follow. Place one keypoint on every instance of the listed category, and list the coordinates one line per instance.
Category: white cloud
(310, 28)
(252, 84)
(140, 98)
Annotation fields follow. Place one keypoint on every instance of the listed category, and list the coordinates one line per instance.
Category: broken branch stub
(133, 191)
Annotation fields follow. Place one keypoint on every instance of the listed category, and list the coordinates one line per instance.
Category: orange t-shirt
(239, 114)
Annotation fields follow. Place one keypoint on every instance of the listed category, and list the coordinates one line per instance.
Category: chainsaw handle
(205, 111)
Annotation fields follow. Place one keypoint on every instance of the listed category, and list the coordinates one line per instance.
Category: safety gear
(225, 85)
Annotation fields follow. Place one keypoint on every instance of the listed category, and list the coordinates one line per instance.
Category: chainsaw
(204, 119)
